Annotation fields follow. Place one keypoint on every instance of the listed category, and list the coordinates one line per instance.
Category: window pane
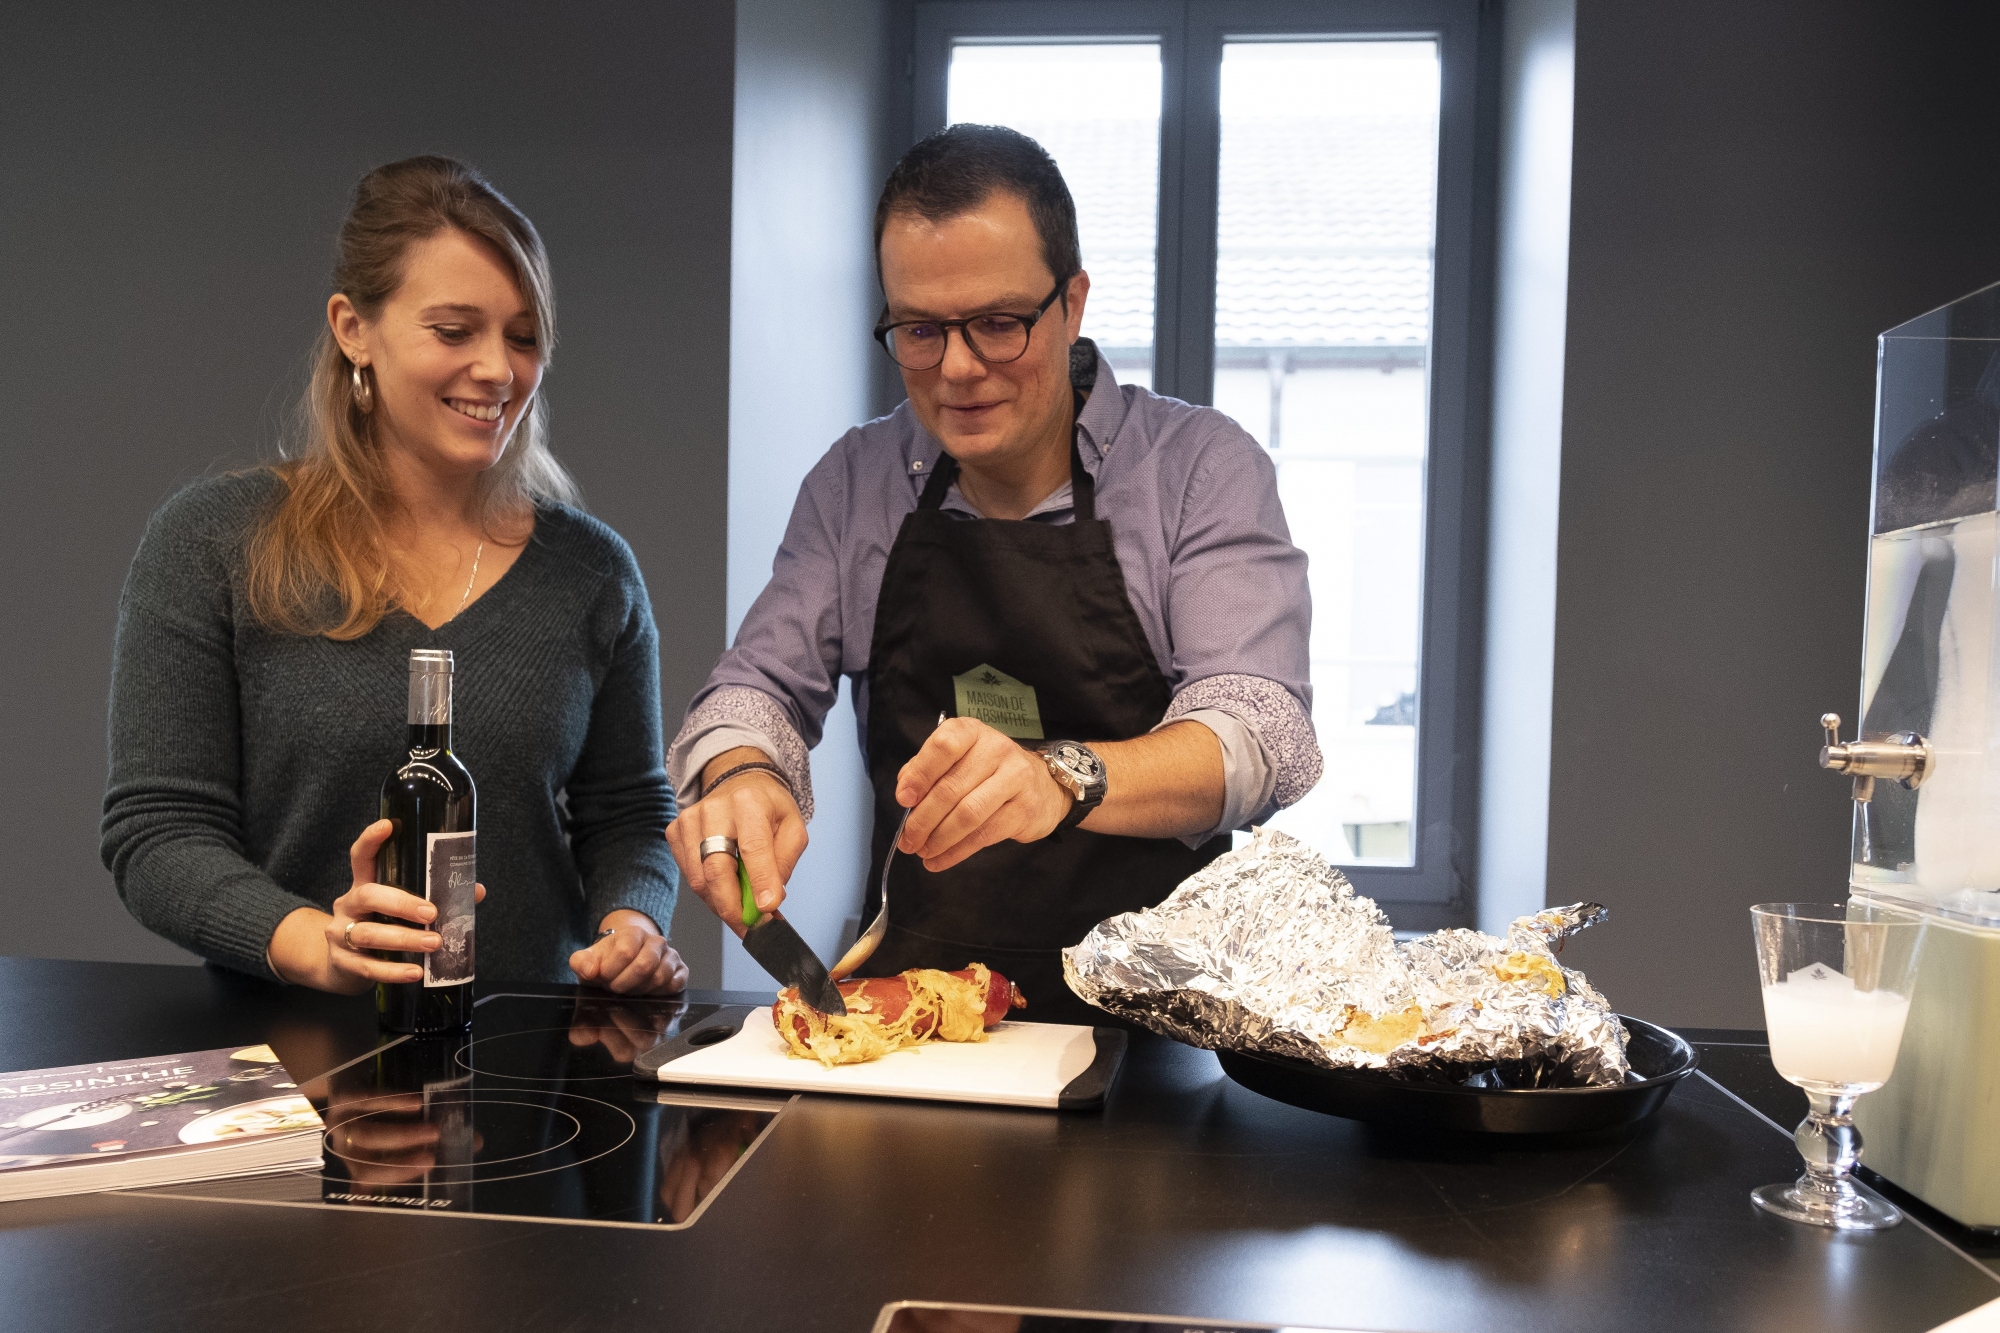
(1096, 108)
(1322, 329)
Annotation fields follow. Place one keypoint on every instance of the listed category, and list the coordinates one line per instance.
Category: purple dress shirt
(1209, 565)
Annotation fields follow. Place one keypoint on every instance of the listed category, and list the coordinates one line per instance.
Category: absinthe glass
(1836, 981)
(431, 853)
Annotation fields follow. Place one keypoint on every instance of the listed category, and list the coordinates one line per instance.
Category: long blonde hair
(326, 534)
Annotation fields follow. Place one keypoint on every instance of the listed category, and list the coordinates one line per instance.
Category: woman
(260, 674)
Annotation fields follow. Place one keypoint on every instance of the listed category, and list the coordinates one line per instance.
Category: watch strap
(1084, 797)
(1078, 812)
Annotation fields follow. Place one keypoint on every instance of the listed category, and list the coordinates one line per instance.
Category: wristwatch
(1078, 771)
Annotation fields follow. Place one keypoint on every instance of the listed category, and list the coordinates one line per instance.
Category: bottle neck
(430, 736)
(430, 702)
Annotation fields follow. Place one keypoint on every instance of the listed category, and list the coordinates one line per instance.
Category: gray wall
(173, 178)
(1758, 190)
(817, 125)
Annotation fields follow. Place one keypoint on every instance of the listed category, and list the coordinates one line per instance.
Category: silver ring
(718, 844)
(347, 936)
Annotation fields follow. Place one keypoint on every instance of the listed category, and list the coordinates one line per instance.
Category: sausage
(889, 997)
(1001, 995)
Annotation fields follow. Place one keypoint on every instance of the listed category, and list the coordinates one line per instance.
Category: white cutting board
(1019, 1064)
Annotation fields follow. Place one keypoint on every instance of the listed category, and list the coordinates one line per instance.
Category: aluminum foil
(1270, 949)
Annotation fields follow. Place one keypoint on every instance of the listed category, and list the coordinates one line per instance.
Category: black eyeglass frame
(1028, 322)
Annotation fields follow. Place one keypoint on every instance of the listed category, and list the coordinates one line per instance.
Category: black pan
(1659, 1060)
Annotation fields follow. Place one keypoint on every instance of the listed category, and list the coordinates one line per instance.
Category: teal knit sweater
(244, 762)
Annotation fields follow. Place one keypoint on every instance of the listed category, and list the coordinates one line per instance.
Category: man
(1092, 586)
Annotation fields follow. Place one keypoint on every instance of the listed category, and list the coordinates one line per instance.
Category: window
(1276, 209)
(1325, 210)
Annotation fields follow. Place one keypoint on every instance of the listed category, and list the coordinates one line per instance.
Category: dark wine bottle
(431, 853)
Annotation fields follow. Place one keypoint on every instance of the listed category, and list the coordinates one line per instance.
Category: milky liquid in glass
(1825, 1032)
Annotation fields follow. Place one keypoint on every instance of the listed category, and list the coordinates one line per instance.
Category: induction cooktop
(531, 1114)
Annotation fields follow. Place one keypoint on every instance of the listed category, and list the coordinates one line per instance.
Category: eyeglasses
(995, 338)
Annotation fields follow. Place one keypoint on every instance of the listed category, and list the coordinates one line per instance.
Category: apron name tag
(1001, 702)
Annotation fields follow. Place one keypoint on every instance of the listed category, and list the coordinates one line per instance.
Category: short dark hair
(953, 171)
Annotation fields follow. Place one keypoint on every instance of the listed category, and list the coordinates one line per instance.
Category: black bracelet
(754, 766)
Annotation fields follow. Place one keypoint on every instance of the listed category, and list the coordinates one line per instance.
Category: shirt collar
(1060, 501)
(1103, 416)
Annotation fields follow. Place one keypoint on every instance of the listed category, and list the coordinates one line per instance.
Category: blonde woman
(266, 625)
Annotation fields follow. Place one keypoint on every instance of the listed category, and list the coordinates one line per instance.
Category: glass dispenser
(1926, 760)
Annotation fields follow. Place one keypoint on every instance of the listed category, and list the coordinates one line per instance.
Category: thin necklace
(469, 582)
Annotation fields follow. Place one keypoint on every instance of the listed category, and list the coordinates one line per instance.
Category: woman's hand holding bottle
(337, 952)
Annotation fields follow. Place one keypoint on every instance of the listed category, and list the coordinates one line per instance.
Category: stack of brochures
(160, 1121)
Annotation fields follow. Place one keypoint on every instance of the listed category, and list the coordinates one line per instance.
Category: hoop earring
(364, 392)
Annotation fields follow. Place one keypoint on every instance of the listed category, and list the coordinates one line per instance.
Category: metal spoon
(863, 947)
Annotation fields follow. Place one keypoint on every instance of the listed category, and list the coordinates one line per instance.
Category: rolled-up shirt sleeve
(730, 717)
(1270, 757)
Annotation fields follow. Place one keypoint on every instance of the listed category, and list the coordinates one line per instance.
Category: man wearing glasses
(1072, 614)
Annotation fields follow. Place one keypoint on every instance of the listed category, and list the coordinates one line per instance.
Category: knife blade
(780, 951)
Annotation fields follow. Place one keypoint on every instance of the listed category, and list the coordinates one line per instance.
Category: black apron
(1046, 605)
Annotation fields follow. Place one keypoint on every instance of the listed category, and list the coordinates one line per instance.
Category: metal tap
(1905, 757)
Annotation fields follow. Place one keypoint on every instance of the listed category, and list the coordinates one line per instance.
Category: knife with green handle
(780, 951)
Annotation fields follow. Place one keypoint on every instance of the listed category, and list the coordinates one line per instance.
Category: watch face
(1080, 761)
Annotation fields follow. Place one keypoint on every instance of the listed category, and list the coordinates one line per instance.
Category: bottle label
(450, 872)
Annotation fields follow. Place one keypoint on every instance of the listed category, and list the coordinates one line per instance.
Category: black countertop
(1187, 1196)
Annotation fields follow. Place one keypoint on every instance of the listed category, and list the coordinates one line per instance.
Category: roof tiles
(1325, 227)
